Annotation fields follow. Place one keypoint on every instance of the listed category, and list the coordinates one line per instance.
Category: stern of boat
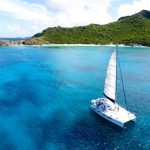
(134, 120)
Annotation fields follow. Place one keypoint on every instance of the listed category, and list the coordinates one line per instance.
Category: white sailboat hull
(112, 113)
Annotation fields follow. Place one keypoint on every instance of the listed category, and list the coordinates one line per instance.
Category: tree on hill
(127, 30)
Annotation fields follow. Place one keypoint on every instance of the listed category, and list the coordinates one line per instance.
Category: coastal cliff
(10, 43)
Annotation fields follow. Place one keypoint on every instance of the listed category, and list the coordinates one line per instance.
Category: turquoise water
(45, 94)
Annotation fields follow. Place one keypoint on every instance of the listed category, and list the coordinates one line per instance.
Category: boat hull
(108, 118)
(117, 116)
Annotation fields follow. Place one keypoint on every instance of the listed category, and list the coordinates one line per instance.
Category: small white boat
(107, 107)
(36, 46)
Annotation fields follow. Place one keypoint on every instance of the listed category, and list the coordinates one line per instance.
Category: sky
(24, 18)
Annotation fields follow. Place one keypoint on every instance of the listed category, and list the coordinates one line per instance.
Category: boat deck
(121, 115)
(118, 115)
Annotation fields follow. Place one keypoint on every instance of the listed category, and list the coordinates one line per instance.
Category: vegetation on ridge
(127, 30)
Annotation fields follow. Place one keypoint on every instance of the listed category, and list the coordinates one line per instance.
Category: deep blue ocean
(46, 93)
(12, 39)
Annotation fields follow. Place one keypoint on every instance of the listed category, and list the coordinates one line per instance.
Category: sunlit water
(46, 92)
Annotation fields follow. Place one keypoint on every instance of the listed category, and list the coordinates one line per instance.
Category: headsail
(111, 75)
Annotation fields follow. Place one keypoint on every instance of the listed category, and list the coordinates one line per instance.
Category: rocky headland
(10, 43)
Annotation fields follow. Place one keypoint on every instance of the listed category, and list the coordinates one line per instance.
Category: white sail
(110, 81)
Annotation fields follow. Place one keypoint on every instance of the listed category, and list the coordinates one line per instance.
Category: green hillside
(127, 30)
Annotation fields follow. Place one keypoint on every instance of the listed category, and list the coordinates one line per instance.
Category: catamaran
(107, 107)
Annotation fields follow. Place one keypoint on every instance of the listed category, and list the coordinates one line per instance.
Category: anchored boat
(107, 107)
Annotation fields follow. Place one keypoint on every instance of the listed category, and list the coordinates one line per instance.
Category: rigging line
(123, 85)
(116, 54)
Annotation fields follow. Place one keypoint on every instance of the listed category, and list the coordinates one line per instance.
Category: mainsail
(111, 75)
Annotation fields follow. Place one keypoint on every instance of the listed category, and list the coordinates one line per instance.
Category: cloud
(26, 18)
(135, 7)
(25, 11)
(81, 12)
(16, 30)
(58, 12)
(14, 27)
(35, 27)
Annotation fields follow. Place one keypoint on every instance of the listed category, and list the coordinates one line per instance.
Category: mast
(122, 83)
(116, 69)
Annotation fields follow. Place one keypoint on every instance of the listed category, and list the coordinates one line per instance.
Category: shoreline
(12, 43)
(53, 45)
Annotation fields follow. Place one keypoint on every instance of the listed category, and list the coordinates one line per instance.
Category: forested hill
(127, 30)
